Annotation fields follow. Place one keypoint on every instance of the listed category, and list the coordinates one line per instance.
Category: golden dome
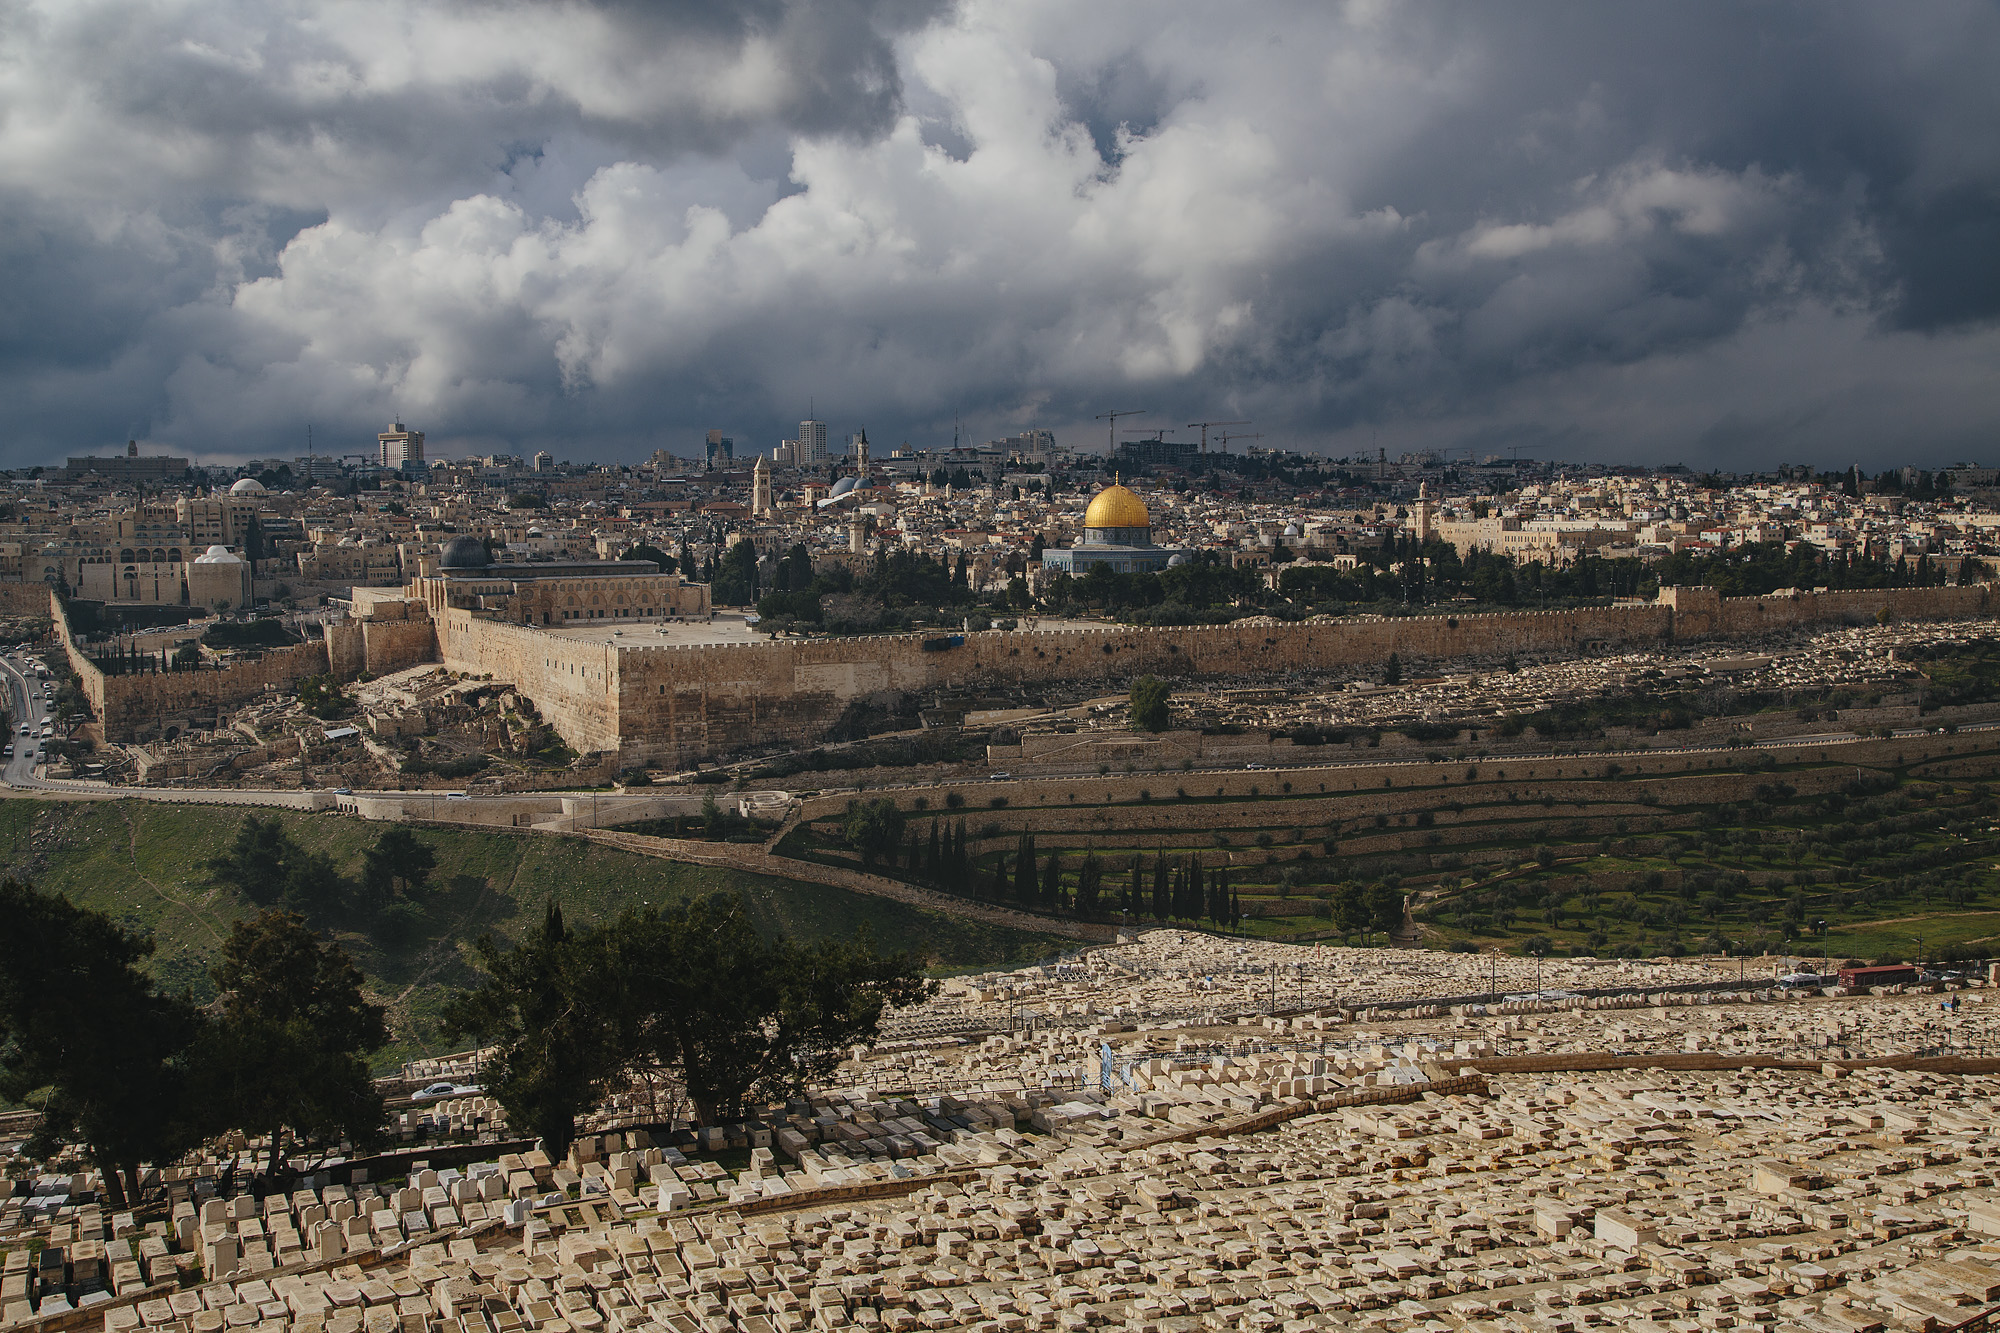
(1116, 507)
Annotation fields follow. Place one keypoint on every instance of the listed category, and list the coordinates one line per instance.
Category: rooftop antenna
(1112, 417)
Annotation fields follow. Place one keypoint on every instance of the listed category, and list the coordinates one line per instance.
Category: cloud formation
(1709, 233)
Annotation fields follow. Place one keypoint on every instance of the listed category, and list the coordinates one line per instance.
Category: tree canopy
(87, 1039)
(691, 989)
(287, 1048)
(1148, 704)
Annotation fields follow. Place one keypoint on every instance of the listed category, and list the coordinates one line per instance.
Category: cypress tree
(1052, 881)
(1162, 903)
(1024, 870)
(933, 863)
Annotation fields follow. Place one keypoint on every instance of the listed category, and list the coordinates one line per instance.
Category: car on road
(25, 729)
(343, 791)
(435, 1091)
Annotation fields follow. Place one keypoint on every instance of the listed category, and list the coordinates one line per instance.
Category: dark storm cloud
(1719, 233)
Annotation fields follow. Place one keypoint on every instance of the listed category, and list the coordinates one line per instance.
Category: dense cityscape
(991, 666)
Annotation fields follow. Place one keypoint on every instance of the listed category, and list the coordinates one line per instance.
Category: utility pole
(1112, 417)
(1206, 424)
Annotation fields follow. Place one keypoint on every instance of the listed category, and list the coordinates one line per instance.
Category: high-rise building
(721, 448)
(401, 445)
(544, 462)
(812, 443)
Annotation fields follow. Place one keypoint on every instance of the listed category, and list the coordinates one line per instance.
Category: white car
(436, 1091)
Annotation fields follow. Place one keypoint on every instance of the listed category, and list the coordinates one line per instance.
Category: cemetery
(1178, 1132)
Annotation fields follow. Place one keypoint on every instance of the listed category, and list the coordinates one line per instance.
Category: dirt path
(759, 862)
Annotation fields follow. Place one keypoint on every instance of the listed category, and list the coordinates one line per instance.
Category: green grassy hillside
(1806, 857)
(141, 862)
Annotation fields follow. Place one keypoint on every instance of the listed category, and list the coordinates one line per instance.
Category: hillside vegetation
(143, 863)
(1811, 856)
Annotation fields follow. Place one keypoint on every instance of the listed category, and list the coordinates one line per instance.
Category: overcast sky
(1720, 234)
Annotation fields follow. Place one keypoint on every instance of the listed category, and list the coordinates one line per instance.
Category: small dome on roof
(1117, 507)
(247, 486)
(218, 555)
(464, 553)
(1177, 559)
(1291, 530)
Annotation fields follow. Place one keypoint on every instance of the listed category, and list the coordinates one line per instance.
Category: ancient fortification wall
(678, 704)
(572, 682)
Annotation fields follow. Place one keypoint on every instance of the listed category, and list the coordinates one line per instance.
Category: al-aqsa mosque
(1118, 532)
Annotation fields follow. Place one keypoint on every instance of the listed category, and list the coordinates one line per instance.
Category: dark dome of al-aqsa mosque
(464, 553)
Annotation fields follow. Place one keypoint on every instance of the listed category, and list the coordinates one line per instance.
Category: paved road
(27, 700)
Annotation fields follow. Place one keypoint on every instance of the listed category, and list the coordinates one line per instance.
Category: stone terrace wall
(1395, 788)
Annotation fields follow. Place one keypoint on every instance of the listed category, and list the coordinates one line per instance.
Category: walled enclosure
(679, 704)
(676, 705)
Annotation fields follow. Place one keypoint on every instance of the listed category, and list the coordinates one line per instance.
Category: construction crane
(1112, 417)
(1224, 440)
(1206, 424)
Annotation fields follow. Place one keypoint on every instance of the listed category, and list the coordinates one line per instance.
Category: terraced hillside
(1873, 849)
(142, 863)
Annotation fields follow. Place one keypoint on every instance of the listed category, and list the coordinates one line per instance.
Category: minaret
(760, 488)
(1423, 513)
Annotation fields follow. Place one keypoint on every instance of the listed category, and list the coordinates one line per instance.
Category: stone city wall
(682, 703)
(25, 599)
(1758, 615)
(573, 683)
(678, 704)
(136, 707)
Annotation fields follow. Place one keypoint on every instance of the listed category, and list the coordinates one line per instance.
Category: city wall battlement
(678, 703)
